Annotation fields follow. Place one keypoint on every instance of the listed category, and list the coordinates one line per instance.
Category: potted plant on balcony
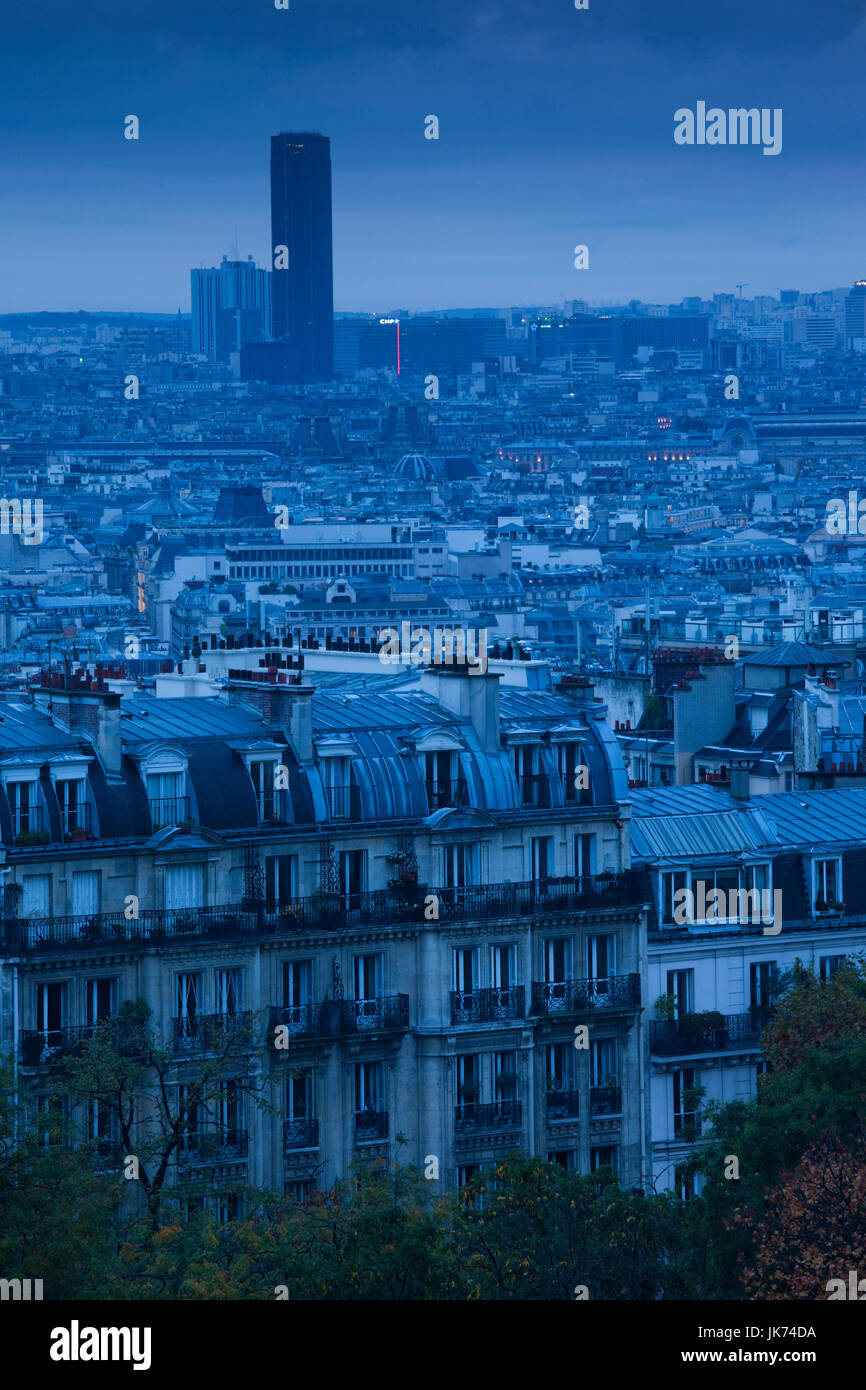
(833, 905)
(820, 903)
(32, 837)
(666, 1008)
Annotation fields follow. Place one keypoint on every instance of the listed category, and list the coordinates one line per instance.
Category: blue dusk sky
(556, 128)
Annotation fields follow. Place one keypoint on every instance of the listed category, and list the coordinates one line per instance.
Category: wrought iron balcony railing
(535, 791)
(46, 1045)
(212, 1031)
(333, 1017)
(30, 825)
(585, 996)
(477, 1119)
(168, 810)
(370, 1125)
(212, 1144)
(542, 896)
(337, 910)
(562, 1105)
(300, 1134)
(605, 1100)
(495, 1005)
(447, 794)
(687, 1124)
(344, 803)
(693, 1033)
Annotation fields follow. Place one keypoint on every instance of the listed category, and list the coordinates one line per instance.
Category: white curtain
(85, 894)
(184, 885)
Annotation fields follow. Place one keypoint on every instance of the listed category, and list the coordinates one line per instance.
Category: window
(281, 880)
(672, 884)
(763, 983)
(459, 865)
(36, 896)
(228, 1111)
(681, 987)
(560, 1068)
(465, 969)
(227, 992)
(571, 759)
(503, 966)
(439, 779)
(466, 1172)
(73, 807)
(24, 804)
(684, 1182)
(228, 1207)
(828, 965)
(584, 856)
(184, 885)
(526, 772)
(505, 1077)
(601, 963)
(558, 953)
(725, 882)
(468, 1080)
(299, 1094)
(337, 778)
(566, 1158)
(165, 792)
(368, 973)
(85, 893)
(604, 1062)
(100, 999)
(298, 1191)
(187, 996)
(51, 1012)
(263, 775)
(685, 1098)
(828, 883)
(541, 861)
(604, 1156)
(369, 1087)
(353, 876)
(297, 983)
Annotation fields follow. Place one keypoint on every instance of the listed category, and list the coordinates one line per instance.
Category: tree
(137, 1100)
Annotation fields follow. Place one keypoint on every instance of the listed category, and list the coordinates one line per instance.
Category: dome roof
(416, 466)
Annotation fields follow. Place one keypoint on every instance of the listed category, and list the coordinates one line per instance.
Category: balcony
(338, 1017)
(78, 823)
(386, 906)
(300, 1134)
(470, 1118)
(687, 1125)
(535, 791)
(694, 1033)
(344, 803)
(605, 1100)
(447, 795)
(30, 826)
(168, 810)
(562, 1105)
(546, 895)
(370, 1126)
(40, 1046)
(211, 1032)
(496, 1005)
(585, 996)
(212, 1144)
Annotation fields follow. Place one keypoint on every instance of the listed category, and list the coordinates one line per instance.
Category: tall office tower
(303, 281)
(231, 306)
(855, 314)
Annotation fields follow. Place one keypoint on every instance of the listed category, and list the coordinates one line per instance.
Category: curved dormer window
(164, 776)
(29, 821)
(268, 777)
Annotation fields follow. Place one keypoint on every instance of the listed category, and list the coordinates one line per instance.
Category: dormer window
(526, 771)
(28, 816)
(268, 798)
(168, 805)
(74, 810)
(439, 778)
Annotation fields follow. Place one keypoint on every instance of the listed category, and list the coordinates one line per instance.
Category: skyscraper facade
(303, 278)
(855, 314)
(231, 306)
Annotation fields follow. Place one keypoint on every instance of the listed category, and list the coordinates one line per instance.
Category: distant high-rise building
(855, 313)
(231, 306)
(303, 277)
